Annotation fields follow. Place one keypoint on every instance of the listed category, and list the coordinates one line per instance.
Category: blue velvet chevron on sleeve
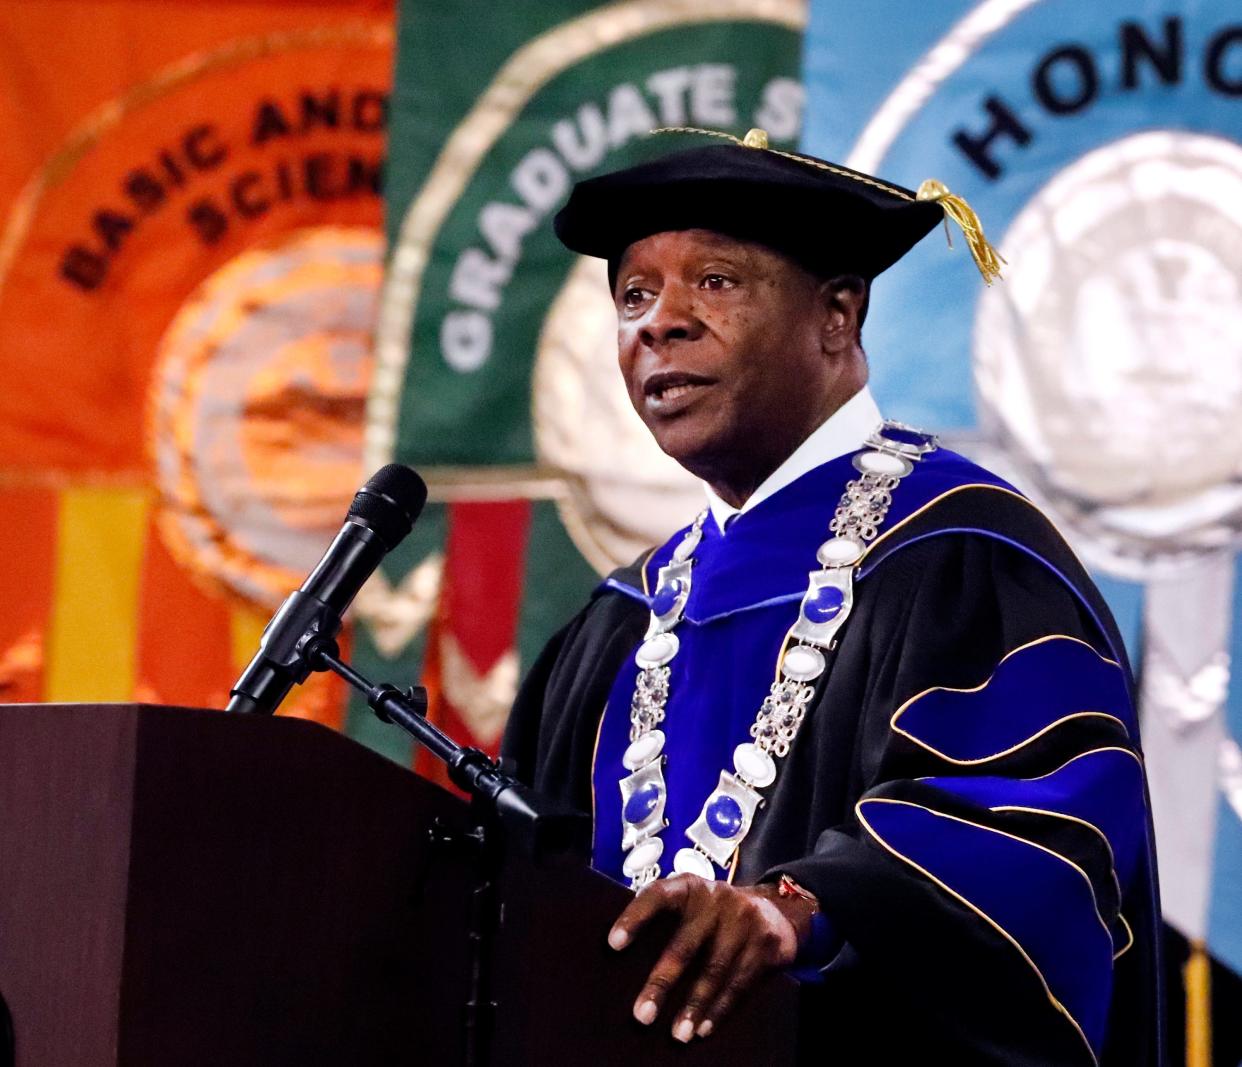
(1040, 859)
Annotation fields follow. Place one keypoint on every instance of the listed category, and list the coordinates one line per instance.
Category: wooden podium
(182, 888)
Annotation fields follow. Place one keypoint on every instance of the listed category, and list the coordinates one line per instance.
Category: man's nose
(673, 317)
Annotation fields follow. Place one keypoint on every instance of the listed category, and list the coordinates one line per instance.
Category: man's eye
(716, 281)
(632, 297)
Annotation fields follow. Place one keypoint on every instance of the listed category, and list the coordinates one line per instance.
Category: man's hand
(729, 936)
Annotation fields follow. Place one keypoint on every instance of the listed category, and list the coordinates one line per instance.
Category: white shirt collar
(844, 431)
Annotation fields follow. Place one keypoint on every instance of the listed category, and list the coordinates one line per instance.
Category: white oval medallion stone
(803, 662)
(692, 861)
(688, 544)
(643, 855)
(657, 651)
(643, 750)
(839, 552)
(754, 765)
(883, 463)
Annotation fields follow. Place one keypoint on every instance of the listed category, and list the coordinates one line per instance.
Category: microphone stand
(506, 814)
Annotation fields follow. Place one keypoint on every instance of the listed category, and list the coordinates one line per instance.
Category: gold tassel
(1197, 976)
(986, 258)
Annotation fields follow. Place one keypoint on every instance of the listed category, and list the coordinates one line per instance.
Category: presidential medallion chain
(729, 812)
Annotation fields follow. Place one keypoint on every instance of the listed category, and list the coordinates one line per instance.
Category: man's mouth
(667, 386)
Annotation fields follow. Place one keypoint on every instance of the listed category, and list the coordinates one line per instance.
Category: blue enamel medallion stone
(641, 804)
(724, 817)
(905, 436)
(666, 598)
(825, 605)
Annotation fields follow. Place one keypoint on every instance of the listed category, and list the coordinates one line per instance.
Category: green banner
(496, 361)
(531, 108)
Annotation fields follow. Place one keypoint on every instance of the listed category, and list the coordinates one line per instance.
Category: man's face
(720, 345)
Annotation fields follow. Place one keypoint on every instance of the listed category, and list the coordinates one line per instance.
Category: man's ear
(844, 300)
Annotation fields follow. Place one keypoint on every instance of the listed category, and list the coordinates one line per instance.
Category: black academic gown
(940, 965)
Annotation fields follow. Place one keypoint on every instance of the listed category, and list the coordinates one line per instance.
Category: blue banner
(1099, 143)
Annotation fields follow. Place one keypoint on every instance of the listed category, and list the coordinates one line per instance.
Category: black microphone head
(390, 502)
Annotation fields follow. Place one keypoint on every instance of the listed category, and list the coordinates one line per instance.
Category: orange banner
(190, 255)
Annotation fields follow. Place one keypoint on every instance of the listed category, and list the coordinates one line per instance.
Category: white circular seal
(256, 408)
(1109, 366)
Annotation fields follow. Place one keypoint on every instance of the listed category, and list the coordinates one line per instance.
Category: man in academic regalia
(866, 717)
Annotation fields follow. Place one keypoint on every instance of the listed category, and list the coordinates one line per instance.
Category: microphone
(382, 513)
